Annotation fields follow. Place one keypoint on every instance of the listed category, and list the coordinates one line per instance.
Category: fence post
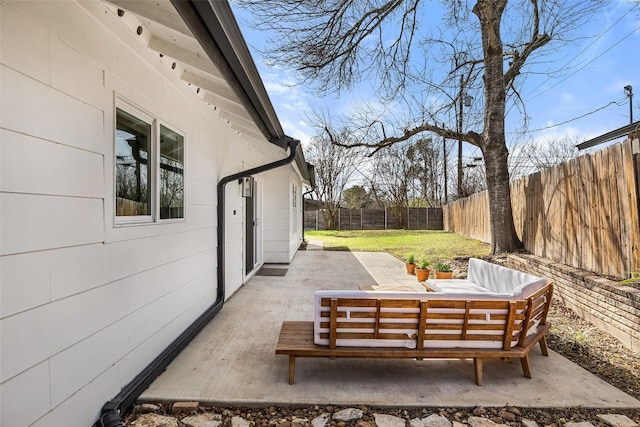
(361, 222)
(339, 219)
(427, 225)
(408, 217)
(385, 217)
(317, 210)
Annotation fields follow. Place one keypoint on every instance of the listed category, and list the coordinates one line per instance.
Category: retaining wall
(610, 306)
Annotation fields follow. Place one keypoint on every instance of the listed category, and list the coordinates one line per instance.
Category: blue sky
(595, 70)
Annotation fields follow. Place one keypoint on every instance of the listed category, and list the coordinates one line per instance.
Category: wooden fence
(377, 219)
(582, 213)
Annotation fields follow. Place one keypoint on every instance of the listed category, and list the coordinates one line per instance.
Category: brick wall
(611, 307)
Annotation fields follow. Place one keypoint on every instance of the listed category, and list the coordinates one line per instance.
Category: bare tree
(334, 168)
(424, 71)
(532, 156)
(392, 178)
(426, 166)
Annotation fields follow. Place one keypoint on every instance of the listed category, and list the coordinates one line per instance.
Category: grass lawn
(436, 246)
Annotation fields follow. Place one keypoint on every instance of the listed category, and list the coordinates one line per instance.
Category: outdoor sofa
(495, 313)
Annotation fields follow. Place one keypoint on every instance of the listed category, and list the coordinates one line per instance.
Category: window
(171, 174)
(149, 169)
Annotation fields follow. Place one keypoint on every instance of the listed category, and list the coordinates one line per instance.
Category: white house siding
(86, 305)
(280, 240)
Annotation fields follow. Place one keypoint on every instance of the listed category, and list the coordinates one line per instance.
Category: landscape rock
(184, 407)
(483, 422)
(479, 411)
(616, 420)
(239, 422)
(146, 408)
(436, 421)
(385, 420)
(580, 424)
(321, 421)
(506, 415)
(203, 420)
(529, 423)
(154, 420)
(348, 414)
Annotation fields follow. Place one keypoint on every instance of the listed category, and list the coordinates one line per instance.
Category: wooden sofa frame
(456, 322)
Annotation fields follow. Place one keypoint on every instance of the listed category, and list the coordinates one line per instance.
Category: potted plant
(410, 261)
(443, 271)
(422, 270)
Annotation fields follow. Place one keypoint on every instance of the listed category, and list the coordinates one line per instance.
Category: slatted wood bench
(422, 329)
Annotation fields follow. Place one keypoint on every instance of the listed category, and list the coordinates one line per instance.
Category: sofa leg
(543, 346)
(292, 369)
(477, 364)
(526, 369)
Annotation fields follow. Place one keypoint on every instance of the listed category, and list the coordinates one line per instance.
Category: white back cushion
(503, 280)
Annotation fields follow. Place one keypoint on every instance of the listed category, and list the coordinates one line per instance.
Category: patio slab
(233, 362)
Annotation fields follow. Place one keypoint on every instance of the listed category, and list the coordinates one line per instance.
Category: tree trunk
(493, 145)
(503, 232)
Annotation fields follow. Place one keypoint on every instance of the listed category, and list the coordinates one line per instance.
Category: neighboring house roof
(207, 45)
(609, 136)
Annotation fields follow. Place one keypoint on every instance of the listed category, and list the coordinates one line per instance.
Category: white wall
(86, 305)
(282, 224)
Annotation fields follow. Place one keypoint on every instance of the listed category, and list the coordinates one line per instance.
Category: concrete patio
(232, 361)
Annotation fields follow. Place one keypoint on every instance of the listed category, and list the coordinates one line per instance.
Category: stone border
(610, 306)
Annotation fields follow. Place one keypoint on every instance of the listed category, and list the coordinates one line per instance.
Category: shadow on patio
(232, 361)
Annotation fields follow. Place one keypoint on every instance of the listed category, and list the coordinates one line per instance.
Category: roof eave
(214, 26)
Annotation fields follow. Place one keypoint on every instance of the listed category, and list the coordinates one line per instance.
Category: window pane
(171, 174)
(133, 187)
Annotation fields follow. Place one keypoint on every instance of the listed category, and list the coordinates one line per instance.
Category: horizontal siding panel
(31, 223)
(52, 115)
(76, 366)
(201, 216)
(275, 223)
(201, 192)
(18, 34)
(282, 246)
(25, 282)
(31, 165)
(58, 325)
(78, 269)
(272, 235)
(73, 74)
(26, 397)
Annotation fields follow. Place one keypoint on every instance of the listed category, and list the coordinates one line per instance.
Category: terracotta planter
(422, 274)
(411, 268)
(444, 274)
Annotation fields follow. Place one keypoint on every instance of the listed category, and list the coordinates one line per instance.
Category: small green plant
(423, 264)
(410, 258)
(635, 278)
(443, 267)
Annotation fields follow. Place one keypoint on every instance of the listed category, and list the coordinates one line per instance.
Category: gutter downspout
(113, 409)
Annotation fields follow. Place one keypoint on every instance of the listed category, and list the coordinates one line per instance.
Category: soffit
(164, 32)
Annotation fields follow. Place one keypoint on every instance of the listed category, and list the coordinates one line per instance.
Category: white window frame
(153, 166)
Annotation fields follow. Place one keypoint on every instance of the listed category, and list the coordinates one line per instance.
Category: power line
(585, 49)
(618, 103)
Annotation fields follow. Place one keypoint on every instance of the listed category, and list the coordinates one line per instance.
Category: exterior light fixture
(628, 90)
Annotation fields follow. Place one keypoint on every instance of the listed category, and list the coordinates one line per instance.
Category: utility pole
(459, 129)
(444, 157)
(628, 90)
